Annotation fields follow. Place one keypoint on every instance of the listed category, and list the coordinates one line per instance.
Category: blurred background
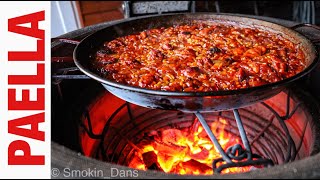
(67, 16)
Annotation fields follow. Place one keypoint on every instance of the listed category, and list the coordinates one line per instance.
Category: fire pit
(175, 142)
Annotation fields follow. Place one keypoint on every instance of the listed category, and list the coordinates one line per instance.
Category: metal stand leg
(242, 132)
(212, 137)
(235, 156)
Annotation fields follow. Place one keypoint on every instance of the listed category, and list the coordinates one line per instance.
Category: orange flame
(187, 151)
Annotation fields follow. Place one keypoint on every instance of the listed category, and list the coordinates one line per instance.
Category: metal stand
(235, 156)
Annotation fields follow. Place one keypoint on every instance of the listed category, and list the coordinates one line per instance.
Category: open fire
(184, 151)
(175, 142)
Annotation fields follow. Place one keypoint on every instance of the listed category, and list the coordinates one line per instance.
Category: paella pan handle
(70, 41)
(64, 72)
(317, 40)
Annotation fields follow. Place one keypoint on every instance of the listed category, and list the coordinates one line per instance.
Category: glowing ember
(184, 151)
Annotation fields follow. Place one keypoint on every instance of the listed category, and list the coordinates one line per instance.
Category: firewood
(170, 149)
(196, 166)
(203, 155)
(151, 161)
(171, 136)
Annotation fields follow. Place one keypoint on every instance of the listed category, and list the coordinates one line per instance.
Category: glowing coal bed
(175, 142)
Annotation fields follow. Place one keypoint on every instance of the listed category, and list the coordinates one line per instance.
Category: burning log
(167, 162)
(151, 161)
(195, 166)
(170, 149)
(203, 155)
(172, 136)
(137, 162)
